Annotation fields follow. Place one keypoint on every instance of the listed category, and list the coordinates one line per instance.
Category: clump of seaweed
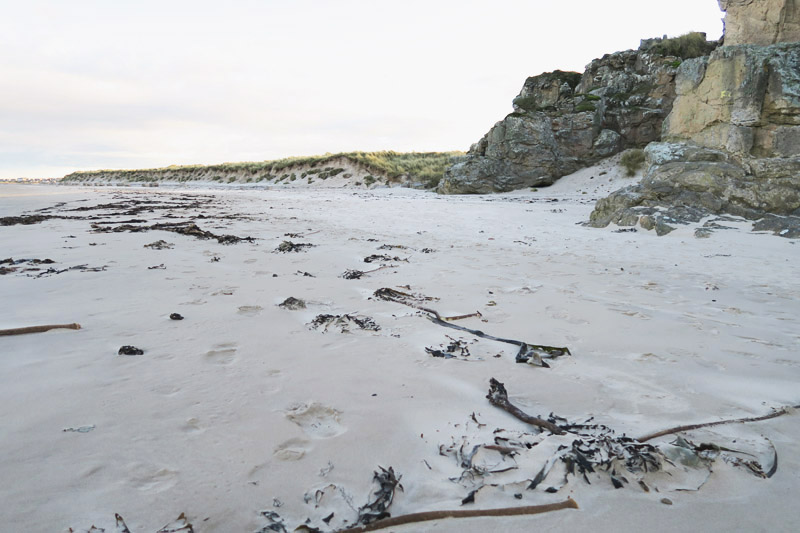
(343, 323)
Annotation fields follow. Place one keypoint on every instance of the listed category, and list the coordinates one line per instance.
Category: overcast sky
(87, 84)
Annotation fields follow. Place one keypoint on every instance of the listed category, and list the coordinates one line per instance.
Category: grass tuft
(632, 161)
(686, 46)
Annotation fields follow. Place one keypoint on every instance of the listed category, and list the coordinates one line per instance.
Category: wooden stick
(461, 317)
(780, 412)
(37, 329)
(499, 398)
(462, 513)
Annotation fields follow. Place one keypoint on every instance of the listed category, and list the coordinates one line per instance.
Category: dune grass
(426, 167)
(686, 46)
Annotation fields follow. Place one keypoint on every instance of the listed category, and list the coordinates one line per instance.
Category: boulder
(761, 22)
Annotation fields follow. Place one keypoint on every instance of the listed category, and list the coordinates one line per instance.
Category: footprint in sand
(149, 478)
(649, 356)
(563, 314)
(250, 310)
(291, 450)
(652, 286)
(317, 420)
(225, 291)
(192, 425)
(167, 389)
(273, 381)
(630, 312)
(222, 354)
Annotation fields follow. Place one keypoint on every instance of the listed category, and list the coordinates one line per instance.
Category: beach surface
(245, 406)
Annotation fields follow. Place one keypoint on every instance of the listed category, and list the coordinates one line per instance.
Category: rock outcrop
(732, 140)
(761, 22)
(564, 121)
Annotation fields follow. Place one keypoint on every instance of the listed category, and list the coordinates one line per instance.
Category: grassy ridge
(427, 167)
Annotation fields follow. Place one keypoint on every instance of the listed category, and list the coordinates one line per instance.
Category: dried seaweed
(25, 220)
(498, 396)
(528, 353)
(378, 508)
(130, 350)
(411, 300)
(160, 245)
(385, 258)
(179, 525)
(276, 523)
(36, 272)
(182, 228)
(53, 271)
(289, 246)
(292, 304)
(343, 323)
(15, 264)
(456, 348)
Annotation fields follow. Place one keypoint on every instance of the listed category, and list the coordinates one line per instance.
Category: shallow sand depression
(246, 406)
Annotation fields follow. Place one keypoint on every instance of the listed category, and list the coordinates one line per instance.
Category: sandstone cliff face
(564, 121)
(761, 22)
(743, 99)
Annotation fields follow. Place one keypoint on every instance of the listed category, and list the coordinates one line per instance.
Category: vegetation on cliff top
(686, 46)
(427, 167)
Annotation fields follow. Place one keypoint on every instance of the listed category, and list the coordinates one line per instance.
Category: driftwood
(499, 398)
(780, 412)
(37, 329)
(462, 513)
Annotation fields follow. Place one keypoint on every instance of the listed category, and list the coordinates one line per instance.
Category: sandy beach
(245, 406)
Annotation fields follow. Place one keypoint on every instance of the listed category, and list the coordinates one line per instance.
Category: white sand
(241, 402)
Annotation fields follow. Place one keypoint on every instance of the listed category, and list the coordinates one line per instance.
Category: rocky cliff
(564, 121)
(732, 141)
(761, 22)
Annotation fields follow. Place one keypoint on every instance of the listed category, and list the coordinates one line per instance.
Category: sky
(91, 84)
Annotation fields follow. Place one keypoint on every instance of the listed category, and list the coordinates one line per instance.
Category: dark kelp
(292, 304)
(130, 350)
(182, 228)
(289, 246)
(527, 353)
(343, 323)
